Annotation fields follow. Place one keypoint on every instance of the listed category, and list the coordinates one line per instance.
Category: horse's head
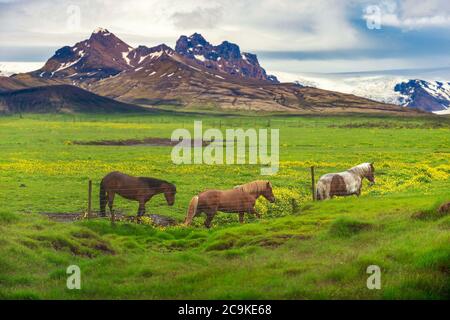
(268, 192)
(169, 193)
(370, 175)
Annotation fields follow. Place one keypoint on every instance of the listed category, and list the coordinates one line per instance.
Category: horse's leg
(111, 195)
(141, 210)
(252, 210)
(209, 218)
(241, 217)
(210, 213)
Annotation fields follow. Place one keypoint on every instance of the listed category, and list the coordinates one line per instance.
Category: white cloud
(311, 26)
(262, 25)
(412, 14)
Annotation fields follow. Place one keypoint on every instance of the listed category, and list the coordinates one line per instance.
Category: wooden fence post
(313, 184)
(90, 199)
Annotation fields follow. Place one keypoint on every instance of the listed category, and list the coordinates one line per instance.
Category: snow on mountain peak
(103, 31)
(428, 95)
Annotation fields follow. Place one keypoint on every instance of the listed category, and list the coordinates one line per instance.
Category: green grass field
(299, 250)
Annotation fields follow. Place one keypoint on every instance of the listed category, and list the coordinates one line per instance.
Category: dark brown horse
(140, 189)
(229, 201)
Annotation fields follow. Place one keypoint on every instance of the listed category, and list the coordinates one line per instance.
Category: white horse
(345, 183)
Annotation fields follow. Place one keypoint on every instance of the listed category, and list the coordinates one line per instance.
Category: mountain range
(196, 74)
(433, 96)
(104, 55)
(400, 87)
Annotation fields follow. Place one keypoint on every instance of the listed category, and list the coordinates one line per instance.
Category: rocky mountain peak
(100, 56)
(143, 54)
(229, 51)
(226, 57)
(107, 39)
(100, 30)
(197, 39)
(104, 55)
(431, 96)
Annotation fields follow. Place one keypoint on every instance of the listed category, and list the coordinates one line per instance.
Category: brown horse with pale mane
(257, 188)
(140, 189)
(240, 200)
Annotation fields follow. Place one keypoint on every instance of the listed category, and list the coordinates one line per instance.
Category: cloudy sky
(289, 36)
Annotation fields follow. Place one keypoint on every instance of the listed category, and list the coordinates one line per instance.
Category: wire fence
(85, 197)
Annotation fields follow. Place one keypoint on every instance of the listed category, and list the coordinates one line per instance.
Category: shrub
(287, 203)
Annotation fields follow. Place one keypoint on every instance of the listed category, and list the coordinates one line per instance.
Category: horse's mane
(362, 169)
(253, 187)
(155, 183)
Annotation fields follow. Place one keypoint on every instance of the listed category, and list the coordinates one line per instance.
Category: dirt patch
(346, 227)
(444, 209)
(162, 221)
(146, 142)
(64, 217)
(155, 219)
(278, 240)
(433, 214)
(104, 247)
(84, 247)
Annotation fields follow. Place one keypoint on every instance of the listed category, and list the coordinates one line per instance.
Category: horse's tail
(320, 191)
(192, 210)
(102, 199)
(318, 195)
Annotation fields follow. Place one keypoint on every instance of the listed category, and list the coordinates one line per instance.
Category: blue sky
(289, 36)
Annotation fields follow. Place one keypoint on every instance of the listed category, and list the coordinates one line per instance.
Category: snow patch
(437, 89)
(66, 65)
(197, 69)
(8, 68)
(200, 57)
(152, 56)
(377, 87)
(125, 56)
(103, 31)
(442, 112)
(156, 54)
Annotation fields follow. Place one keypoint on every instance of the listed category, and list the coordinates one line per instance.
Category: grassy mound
(299, 249)
(345, 227)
